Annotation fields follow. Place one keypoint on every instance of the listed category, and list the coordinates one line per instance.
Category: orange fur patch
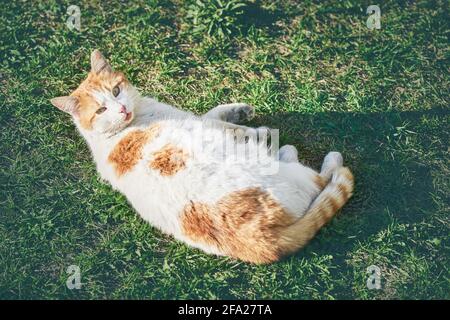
(169, 160)
(348, 174)
(245, 224)
(344, 190)
(128, 151)
(319, 181)
(250, 225)
(198, 223)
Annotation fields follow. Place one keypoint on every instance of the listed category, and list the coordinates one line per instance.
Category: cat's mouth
(128, 116)
(120, 125)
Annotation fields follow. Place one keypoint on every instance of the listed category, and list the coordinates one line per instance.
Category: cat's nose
(123, 109)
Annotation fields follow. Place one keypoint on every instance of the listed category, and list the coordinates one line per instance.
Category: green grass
(312, 69)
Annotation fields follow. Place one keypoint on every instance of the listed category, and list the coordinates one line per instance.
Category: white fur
(210, 172)
(112, 120)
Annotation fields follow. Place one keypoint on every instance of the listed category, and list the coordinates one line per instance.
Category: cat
(172, 167)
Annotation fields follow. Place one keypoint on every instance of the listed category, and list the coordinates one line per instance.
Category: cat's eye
(100, 110)
(116, 91)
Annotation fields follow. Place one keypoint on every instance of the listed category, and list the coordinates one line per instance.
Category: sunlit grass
(311, 69)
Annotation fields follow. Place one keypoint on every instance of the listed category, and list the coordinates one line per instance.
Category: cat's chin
(118, 127)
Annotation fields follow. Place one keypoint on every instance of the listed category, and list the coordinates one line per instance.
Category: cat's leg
(333, 160)
(210, 122)
(288, 153)
(240, 132)
(232, 112)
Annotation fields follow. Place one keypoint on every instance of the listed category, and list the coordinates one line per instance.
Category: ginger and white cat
(173, 168)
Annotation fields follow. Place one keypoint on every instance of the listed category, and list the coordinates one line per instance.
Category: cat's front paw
(240, 112)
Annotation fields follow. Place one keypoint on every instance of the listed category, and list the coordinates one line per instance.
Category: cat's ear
(99, 63)
(67, 104)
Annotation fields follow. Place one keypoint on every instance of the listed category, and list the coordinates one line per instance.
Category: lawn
(312, 69)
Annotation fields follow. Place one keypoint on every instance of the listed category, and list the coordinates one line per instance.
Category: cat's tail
(332, 198)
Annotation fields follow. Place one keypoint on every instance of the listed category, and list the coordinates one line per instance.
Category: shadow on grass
(389, 154)
(383, 150)
(255, 15)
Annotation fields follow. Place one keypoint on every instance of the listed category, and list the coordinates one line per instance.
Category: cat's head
(104, 102)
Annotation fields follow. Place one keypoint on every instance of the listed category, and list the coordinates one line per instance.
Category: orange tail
(322, 210)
